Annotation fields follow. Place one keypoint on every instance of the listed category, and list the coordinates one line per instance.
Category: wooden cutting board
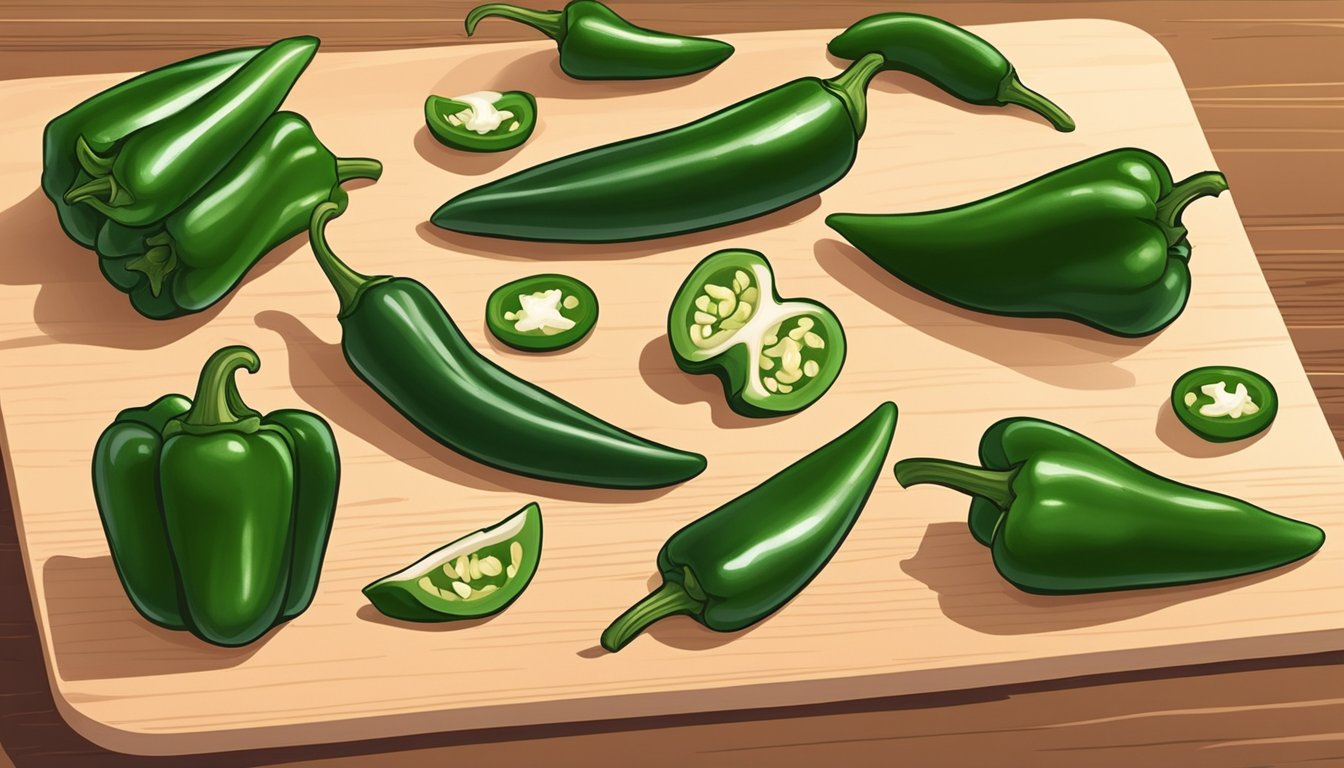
(910, 604)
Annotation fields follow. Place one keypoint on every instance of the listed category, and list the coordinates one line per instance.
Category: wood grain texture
(1220, 46)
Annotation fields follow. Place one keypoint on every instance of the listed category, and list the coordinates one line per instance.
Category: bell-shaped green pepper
(217, 517)
(1063, 514)
(1100, 242)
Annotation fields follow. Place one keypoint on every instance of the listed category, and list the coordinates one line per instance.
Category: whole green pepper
(746, 559)
(597, 44)
(155, 169)
(94, 126)
(953, 59)
(1063, 514)
(400, 340)
(1100, 242)
(263, 197)
(217, 517)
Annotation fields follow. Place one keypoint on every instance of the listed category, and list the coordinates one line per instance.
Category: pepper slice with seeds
(774, 356)
(1222, 403)
(541, 312)
(485, 121)
(478, 575)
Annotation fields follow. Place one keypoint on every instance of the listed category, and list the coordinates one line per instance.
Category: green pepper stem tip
(851, 86)
(1012, 91)
(1185, 192)
(217, 401)
(103, 188)
(93, 163)
(996, 485)
(349, 168)
(549, 23)
(347, 282)
(671, 599)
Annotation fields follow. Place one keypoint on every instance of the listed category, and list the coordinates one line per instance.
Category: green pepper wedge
(399, 339)
(1063, 514)
(541, 312)
(475, 576)
(482, 122)
(217, 517)
(1099, 242)
(1223, 403)
(774, 356)
(961, 63)
(263, 197)
(597, 44)
(105, 119)
(156, 169)
(745, 560)
(754, 157)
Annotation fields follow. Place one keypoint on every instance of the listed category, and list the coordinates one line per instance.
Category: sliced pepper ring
(1223, 403)
(485, 121)
(774, 356)
(542, 312)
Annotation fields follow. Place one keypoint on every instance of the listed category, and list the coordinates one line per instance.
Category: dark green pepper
(1223, 403)
(155, 170)
(1063, 514)
(774, 356)
(263, 197)
(541, 312)
(101, 122)
(746, 559)
(597, 44)
(953, 59)
(482, 122)
(477, 575)
(217, 517)
(400, 340)
(1100, 242)
(754, 157)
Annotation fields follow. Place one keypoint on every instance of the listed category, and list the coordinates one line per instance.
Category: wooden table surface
(1267, 80)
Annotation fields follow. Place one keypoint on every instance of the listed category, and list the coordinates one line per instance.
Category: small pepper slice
(774, 356)
(541, 312)
(477, 575)
(1223, 403)
(485, 121)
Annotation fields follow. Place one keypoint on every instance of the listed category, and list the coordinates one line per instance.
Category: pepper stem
(156, 264)
(1012, 91)
(217, 400)
(671, 599)
(993, 484)
(347, 282)
(348, 168)
(549, 23)
(852, 87)
(103, 189)
(1183, 193)
(93, 163)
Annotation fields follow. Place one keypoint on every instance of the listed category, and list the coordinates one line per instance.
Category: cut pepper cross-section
(774, 356)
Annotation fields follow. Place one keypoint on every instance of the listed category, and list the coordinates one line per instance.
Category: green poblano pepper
(217, 517)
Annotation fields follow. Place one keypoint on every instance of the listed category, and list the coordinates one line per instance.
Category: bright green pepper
(541, 312)
(774, 356)
(1100, 242)
(1063, 514)
(1222, 403)
(156, 169)
(217, 517)
(469, 122)
(746, 559)
(597, 44)
(477, 575)
(263, 197)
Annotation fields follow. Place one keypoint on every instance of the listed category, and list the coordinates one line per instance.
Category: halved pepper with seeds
(774, 356)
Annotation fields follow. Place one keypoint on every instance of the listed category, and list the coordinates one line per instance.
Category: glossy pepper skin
(754, 157)
(1099, 242)
(94, 126)
(1064, 514)
(217, 517)
(155, 170)
(263, 197)
(400, 340)
(746, 559)
(963, 64)
(597, 44)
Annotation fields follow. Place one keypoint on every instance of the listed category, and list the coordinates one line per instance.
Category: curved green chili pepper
(482, 122)
(263, 197)
(154, 170)
(400, 340)
(541, 312)
(1100, 242)
(754, 157)
(746, 559)
(948, 56)
(774, 356)
(597, 44)
(1064, 514)
(96, 125)
(1222, 403)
